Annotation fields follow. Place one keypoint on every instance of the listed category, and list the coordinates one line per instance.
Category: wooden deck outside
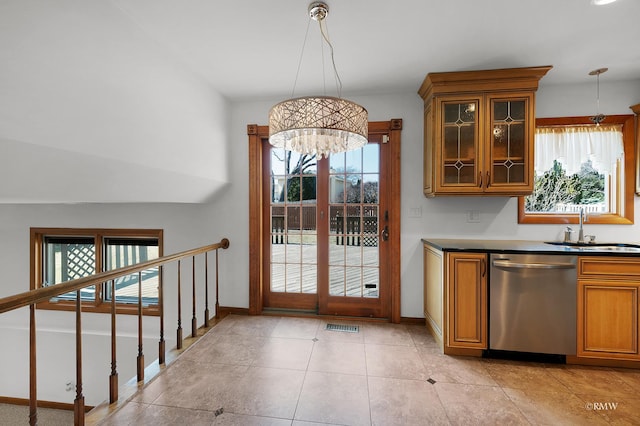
(351, 269)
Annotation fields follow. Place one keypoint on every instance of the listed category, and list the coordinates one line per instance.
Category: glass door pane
(508, 141)
(459, 142)
(294, 235)
(354, 179)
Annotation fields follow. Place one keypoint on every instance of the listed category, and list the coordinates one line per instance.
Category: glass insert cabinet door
(509, 141)
(326, 221)
(460, 142)
(484, 143)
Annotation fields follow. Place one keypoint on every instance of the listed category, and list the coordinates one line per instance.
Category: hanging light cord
(304, 43)
(598, 93)
(324, 33)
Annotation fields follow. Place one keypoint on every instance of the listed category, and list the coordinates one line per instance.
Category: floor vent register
(343, 327)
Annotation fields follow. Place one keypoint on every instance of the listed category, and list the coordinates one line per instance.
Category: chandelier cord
(324, 32)
(304, 43)
(324, 75)
(598, 93)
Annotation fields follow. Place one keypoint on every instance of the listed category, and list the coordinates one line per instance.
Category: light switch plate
(473, 216)
(415, 211)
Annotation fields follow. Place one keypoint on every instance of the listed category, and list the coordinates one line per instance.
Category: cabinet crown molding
(505, 79)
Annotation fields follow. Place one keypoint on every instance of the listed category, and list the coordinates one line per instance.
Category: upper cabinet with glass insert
(478, 131)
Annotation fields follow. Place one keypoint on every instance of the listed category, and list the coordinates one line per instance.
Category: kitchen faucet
(580, 231)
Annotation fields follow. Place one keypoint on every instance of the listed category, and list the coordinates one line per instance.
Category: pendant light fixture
(598, 118)
(318, 125)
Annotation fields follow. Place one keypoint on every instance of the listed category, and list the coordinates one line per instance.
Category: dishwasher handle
(506, 263)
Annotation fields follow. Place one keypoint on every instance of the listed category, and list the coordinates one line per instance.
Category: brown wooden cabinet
(433, 264)
(467, 300)
(478, 131)
(608, 306)
(455, 300)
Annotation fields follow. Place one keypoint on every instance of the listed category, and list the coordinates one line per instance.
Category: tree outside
(555, 187)
(366, 193)
(293, 170)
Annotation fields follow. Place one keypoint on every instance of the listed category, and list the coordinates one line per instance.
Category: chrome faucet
(580, 231)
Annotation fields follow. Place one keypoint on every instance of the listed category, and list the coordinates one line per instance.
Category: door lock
(385, 233)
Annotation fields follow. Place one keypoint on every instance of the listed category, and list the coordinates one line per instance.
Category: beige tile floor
(291, 371)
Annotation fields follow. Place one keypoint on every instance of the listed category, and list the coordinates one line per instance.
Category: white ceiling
(128, 87)
(250, 48)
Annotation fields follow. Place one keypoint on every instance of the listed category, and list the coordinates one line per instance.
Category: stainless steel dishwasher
(532, 303)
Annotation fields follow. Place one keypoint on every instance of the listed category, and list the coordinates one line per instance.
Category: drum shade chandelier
(318, 125)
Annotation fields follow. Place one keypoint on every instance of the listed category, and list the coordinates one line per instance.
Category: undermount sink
(623, 248)
(619, 247)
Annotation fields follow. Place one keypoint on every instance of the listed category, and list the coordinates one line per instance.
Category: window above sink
(618, 181)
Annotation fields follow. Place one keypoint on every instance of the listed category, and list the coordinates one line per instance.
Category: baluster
(206, 289)
(179, 343)
(161, 345)
(217, 304)
(33, 377)
(140, 354)
(113, 379)
(78, 409)
(194, 321)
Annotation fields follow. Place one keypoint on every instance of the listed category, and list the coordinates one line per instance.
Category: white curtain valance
(574, 145)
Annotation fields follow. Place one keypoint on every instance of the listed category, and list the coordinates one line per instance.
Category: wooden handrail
(31, 298)
(45, 293)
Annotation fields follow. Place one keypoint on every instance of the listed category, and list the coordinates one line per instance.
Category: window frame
(622, 218)
(99, 304)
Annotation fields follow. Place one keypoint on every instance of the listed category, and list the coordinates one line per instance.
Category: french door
(325, 228)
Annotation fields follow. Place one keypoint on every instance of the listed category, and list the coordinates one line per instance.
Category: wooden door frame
(256, 135)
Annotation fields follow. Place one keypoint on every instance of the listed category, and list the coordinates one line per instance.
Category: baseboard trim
(411, 321)
(572, 359)
(223, 311)
(42, 404)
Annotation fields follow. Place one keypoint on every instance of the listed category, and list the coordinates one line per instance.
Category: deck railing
(31, 298)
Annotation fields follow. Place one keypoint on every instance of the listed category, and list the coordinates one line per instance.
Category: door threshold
(302, 313)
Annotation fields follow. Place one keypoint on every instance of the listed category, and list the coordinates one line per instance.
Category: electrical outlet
(473, 216)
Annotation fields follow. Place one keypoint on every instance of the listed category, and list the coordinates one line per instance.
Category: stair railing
(31, 298)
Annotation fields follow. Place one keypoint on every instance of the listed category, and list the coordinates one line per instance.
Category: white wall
(113, 104)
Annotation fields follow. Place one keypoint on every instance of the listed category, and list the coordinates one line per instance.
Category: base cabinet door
(467, 300)
(608, 320)
(608, 306)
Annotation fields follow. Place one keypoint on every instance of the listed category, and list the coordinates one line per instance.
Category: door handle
(506, 263)
(488, 180)
(385, 233)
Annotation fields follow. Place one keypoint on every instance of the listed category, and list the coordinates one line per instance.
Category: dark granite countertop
(524, 246)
